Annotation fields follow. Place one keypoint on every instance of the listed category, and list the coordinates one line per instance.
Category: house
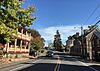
(91, 43)
(20, 45)
(69, 43)
(74, 45)
(86, 45)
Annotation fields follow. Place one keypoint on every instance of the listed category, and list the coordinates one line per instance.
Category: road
(55, 63)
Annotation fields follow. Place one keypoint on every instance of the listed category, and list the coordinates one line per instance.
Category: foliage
(34, 33)
(13, 15)
(51, 46)
(57, 41)
(42, 50)
(37, 42)
(1, 53)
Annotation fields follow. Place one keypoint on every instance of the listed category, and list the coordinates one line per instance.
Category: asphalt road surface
(55, 63)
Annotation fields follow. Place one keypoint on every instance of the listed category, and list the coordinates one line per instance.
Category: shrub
(42, 51)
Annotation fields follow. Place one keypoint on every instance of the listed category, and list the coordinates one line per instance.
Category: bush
(16, 56)
(1, 53)
(42, 51)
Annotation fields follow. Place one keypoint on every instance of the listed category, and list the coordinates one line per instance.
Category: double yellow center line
(58, 64)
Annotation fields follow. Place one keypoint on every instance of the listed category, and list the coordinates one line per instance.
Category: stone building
(91, 44)
(74, 45)
(86, 45)
(69, 43)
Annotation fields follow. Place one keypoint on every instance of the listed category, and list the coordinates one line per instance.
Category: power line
(95, 19)
(92, 13)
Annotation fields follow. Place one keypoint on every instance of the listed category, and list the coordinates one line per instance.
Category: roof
(97, 34)
(86, 34)
(24, 29)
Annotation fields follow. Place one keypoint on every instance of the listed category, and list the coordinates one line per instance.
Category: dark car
(33, 53)
(49, 53)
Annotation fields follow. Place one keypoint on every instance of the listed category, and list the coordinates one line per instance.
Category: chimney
(77, 34)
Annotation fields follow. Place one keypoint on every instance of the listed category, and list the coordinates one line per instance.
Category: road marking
(86, 65)
(58, 64)
(83, 63)
(25, 66)
(93, 68)
(89, 66)
(58, 67)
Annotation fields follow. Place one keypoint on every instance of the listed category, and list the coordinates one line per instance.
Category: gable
(95, 31)
(97, 34)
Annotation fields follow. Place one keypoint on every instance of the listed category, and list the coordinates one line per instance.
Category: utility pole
(82, 43)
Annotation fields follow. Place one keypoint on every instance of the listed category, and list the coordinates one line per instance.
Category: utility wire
(92, 13)
(90, 17)
(83, 53)
(95, 19)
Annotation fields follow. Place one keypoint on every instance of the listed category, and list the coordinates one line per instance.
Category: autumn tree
(37, 42)
(12, 15)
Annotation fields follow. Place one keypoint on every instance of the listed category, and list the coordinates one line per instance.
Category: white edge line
(93, 68)
(87, 65)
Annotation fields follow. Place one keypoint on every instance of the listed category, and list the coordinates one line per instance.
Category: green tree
(37, 42)
(51, 46)
(57, 41)
(12, 15)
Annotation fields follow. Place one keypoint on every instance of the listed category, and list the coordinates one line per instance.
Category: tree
(51, 46)
(57, 41)
(34, 33)
(37, 42)
(12, 15)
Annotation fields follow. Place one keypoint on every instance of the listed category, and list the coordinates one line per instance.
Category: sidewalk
(6, 62)
(86, 62)
(10, 62)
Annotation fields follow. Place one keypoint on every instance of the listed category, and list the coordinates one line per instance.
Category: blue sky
(63, 15)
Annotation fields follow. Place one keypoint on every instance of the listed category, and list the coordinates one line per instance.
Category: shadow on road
(62, 58)
(63, 67)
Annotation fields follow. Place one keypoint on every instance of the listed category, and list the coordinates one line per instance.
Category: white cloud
(65, 31)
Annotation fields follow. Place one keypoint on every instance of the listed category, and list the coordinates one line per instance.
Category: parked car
(49, 53)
